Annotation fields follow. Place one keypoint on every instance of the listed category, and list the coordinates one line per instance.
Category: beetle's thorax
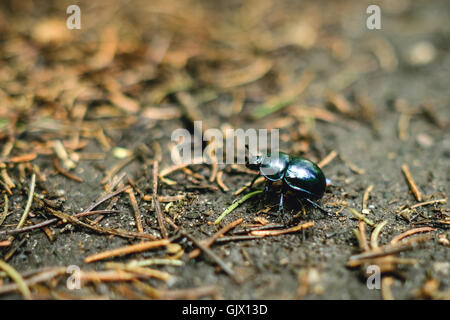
(274, 166)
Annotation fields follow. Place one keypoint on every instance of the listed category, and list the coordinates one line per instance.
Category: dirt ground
(137, 70)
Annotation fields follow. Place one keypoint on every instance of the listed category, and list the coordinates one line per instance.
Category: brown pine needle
(428, 202)
(137, 213)
(363, 236)
(375, 234)
(220, 182)
(212, 255)
(5, 209)
(207, 243)
(386, 292)
(9, 183)
(189, 294)
(214, 163)
(139, 247)
(156, 204)
(410, 232)
(357, 259)
(264, 233)
(366, 196)
(242, 189)
(45, 275)
(51, 221)
(108, 276)
(65, 173)
(29, 202)
(116, 232)
(23, 158)
(5, 243)
(327, 159)
(105, 198)
(6, 187)
(361, 217)
(148, 272)
(165, 199)
(412, 185)
(116, 168)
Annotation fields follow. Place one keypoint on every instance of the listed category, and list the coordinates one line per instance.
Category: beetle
(300, 175)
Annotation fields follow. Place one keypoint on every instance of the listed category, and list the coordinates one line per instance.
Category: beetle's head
(253, 162)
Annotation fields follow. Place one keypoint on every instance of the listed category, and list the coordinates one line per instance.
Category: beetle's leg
(315, 205)
(254, 179)
(281, 207)
(283, 190)
(267, 188)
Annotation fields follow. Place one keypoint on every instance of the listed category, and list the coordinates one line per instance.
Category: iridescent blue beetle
(300, 175)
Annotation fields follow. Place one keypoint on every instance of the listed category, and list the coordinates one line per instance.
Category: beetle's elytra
(300, 175)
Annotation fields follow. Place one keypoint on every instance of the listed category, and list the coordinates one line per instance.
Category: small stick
(137, 213)
(263, 233)
(412, 185)
(236, 204)
(207, 243)
(156, 204)
(327, 159)
(29, 202)
(410, 232)
(64, 172)
(17, 278)
(139, 247)
(212, 255)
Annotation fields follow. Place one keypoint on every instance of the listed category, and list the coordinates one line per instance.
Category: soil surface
(136, 72)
